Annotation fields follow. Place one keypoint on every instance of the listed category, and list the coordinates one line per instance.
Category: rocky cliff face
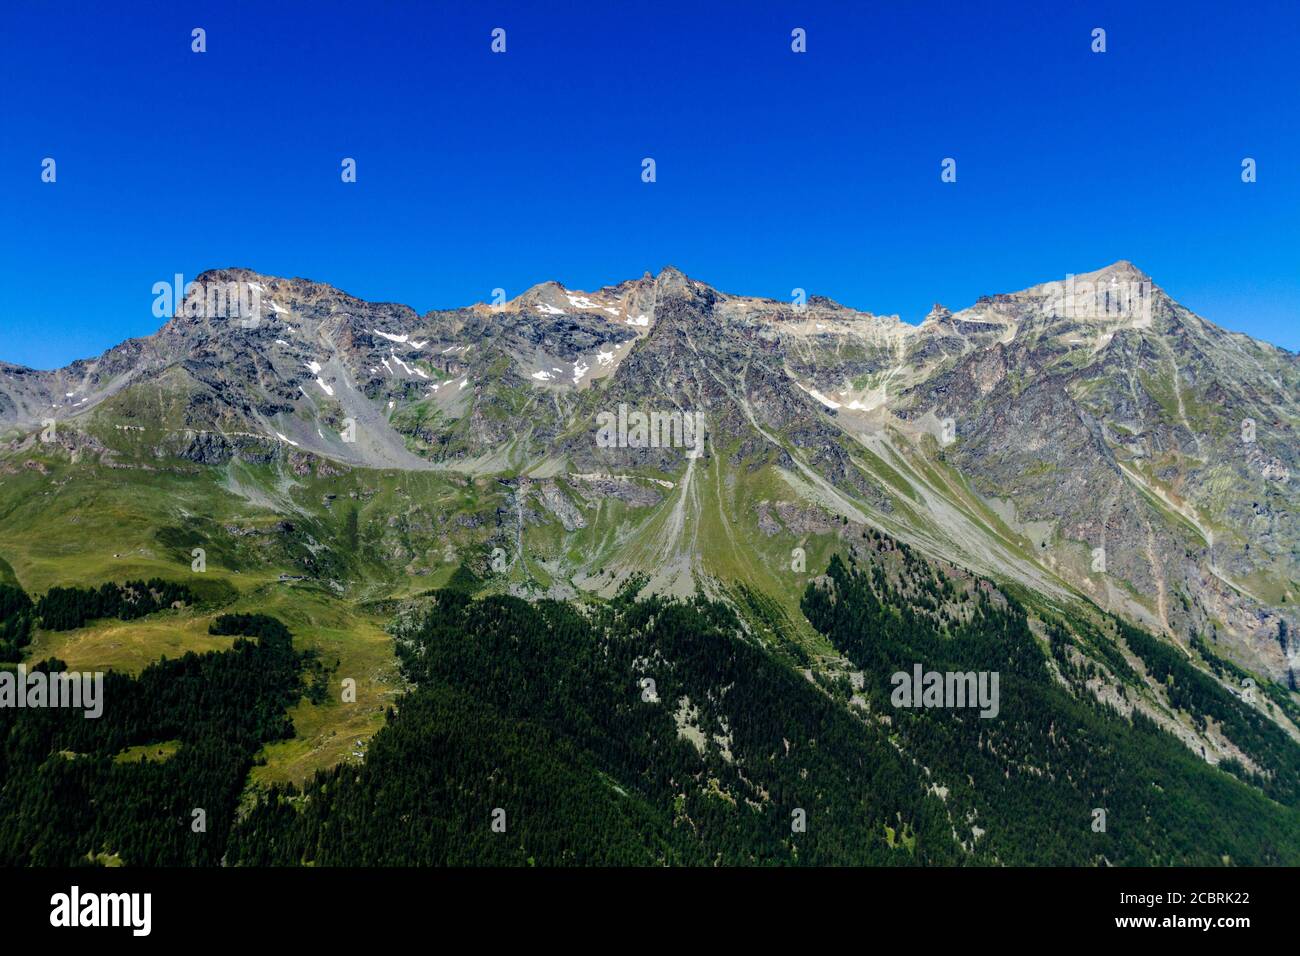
(1083, 438)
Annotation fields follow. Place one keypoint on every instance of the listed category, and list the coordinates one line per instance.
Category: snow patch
(828, 402)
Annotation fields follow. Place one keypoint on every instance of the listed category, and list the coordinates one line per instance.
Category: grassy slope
(82, 525)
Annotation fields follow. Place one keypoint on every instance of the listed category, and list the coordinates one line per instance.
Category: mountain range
(1099, 452)
(1142, 429)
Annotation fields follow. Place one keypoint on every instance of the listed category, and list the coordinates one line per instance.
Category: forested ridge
(540, 711)
(661, 732)
(610, 776)
(1035, 775)
(1204, 699)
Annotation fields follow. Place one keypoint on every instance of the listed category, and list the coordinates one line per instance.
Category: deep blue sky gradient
(775, 170)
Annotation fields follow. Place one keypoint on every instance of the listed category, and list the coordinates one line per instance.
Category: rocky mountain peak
(548, 292)
(938, 313)
(1120, 270)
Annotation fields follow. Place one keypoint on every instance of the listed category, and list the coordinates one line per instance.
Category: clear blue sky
(775, 170)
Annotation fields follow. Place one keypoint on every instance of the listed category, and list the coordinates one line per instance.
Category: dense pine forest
(540, 711)
(77, 791)
(658, 732)
(62, 609)
(1034, 776)
(572, 724)
(17, 619)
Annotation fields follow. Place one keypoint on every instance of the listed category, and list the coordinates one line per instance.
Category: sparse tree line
(1204, 699)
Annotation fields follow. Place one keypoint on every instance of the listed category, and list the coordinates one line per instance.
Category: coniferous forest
(649, 732)
(68, 798)
(62, 609)
(16, 622)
